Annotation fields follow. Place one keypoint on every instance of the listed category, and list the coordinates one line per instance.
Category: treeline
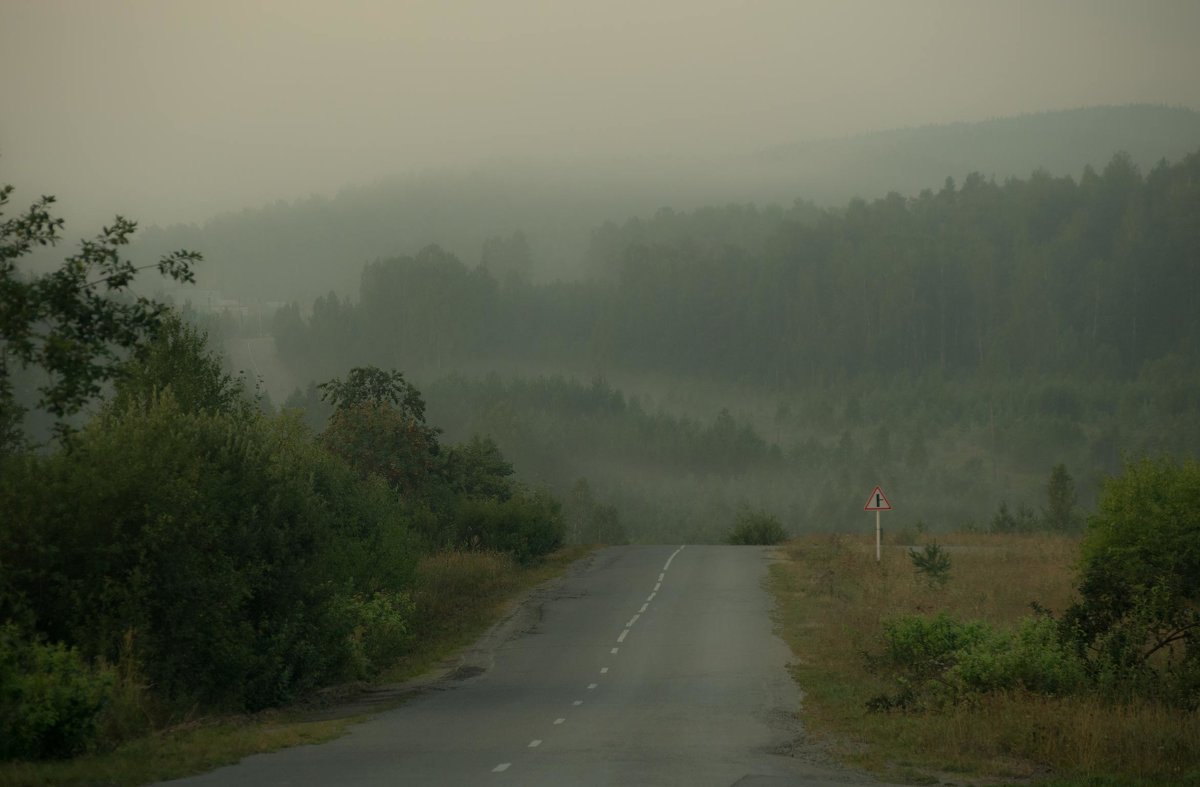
(186, 552)
(1045, 275)
(953, 456)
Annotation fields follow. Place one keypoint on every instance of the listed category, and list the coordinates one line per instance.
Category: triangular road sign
(877, 501)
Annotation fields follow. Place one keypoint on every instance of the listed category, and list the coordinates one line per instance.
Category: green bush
(221, 541)
(1138, 618)
(938, 661)
(1032, 658)
(51, 701)
(382, 627)
(526, 526)
(756, 527)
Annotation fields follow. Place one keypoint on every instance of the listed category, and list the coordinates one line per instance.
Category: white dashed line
(651, 596)
(633, 620)
(604, 670)
(644, 607)
(577, 703)
(624, 634)
(614, 650)
(559, 721)
(502, 767)
(672, 557)
(657, 585)
(593, 685)
(660, 576)
(533, 744)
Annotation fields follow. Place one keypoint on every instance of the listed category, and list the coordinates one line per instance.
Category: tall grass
(832, 601)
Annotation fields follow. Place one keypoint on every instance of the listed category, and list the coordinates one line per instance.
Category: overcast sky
(175, 110)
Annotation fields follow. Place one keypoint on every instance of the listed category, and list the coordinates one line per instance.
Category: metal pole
(877, 535)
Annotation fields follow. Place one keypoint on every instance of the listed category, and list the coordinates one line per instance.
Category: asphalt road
(644, 666)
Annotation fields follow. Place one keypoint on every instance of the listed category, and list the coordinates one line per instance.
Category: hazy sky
(175, 110)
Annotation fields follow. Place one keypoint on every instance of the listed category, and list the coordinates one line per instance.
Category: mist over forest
(299, 249)
(953, 342)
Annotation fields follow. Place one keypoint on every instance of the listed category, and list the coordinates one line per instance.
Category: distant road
(647, 666)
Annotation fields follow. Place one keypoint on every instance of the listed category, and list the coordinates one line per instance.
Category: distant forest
(955, 345)
(1094, 277)
(296, 250)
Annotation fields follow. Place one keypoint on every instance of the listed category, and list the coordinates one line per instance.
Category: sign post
(877, 502)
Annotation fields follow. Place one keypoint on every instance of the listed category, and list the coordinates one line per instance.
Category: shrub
(50, 700)
(938, 661)
(526, 526)
(756, 527)
(381, 629)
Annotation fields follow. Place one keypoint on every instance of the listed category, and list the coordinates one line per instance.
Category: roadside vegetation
(1036, 655)
(174, 553)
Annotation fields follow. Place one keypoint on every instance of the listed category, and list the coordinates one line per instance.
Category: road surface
(644, 666)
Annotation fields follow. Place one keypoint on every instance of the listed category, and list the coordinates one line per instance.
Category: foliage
(1004, 522)
(756, 527)
(380, 629)
(378, 427)
(478, 469)
(50, 699)
(939, 661)
(157, 513)
(1060, 514)
(373, 386)
(179, 359)
(76, 323)
(1138, 617)
(932, 563)
(526, 526)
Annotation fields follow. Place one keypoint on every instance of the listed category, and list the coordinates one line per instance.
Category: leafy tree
(76, 324)
(378, 427)
(370, 385)
(478, 469)
(1140, 580)
(179, 360)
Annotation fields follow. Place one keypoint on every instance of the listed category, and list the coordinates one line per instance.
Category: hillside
(304, 248)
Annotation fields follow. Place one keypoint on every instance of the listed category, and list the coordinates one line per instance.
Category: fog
(175, 112)
(676, 260)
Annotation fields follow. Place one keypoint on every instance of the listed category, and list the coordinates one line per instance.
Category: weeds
(1002, 704)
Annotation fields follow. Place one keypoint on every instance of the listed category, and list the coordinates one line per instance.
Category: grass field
(832, 600)
(458, 596)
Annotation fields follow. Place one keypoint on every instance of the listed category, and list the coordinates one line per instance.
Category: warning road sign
(877, 501)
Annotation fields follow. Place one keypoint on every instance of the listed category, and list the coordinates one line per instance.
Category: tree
(76, 324)
(478, 469)
(370, 385)
(180, 360)
(378, 427)
(1140, 578)
(1059, 514)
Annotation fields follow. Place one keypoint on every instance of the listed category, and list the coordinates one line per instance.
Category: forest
(955, 345)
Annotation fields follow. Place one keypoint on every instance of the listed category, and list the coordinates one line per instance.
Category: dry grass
(459, 595)
(832, 600)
